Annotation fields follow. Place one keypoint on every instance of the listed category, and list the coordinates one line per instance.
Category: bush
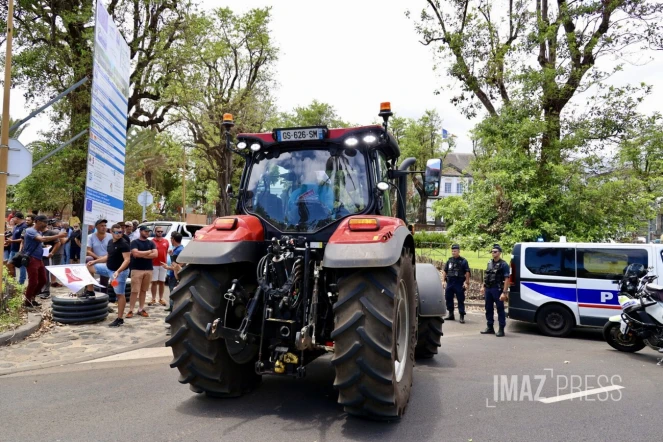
(11, 308)
(424, 239)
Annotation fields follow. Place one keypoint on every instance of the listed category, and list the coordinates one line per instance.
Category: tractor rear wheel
(428, 337)
(374, 339)
(203, 364)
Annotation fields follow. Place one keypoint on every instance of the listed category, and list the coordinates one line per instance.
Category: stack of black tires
(72, 310)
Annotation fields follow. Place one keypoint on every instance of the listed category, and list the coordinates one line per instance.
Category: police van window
(608, 263)
(550, 261)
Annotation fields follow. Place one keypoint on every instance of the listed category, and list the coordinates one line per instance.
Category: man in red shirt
(159, 273)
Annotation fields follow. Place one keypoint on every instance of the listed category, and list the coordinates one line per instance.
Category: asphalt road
(453, 398)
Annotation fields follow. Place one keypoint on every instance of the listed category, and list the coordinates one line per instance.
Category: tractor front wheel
(203, 364)
(375, 337)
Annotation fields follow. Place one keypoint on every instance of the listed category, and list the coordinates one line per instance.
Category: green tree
(232, 73)
(54, 43)
(521, 67)
(315, 114)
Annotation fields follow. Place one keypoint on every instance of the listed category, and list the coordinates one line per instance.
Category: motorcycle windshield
(308, 189)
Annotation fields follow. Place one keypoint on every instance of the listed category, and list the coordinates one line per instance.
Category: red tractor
(314, 262)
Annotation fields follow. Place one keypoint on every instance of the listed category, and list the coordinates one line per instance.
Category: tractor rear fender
(376, 248)
(225, 242)
(431, 294)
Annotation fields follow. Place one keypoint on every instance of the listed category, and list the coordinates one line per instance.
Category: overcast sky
(354, 54)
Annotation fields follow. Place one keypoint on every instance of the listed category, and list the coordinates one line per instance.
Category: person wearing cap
(128, 230)
(33, 248)
(97, 243)
(456, 279)
(143, 251)
(496, 283)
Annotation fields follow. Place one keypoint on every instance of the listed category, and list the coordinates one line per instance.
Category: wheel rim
(555, 320)
(402, 327)
(621, 339)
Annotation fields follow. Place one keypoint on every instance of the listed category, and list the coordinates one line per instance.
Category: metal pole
(4, 139)
(184, 187)
(143, 213)
(62, 146)
(58, 97)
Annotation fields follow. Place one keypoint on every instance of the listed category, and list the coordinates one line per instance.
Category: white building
(455, 178)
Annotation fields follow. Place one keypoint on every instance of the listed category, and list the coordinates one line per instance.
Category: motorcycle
(640, 324)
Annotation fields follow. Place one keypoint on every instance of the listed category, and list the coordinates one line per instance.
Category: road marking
(566, 397)
(142, 353)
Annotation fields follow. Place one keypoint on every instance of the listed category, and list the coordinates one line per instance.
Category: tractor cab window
(306, 190)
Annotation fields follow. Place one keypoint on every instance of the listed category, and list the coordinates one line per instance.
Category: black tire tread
(203, 364)
(78, 314)
(429, 337)
(363, 342)
(78, 320)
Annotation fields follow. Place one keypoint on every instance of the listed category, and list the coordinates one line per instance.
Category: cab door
(598, 269)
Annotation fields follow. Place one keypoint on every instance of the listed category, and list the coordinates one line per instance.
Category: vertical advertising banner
(104, 183)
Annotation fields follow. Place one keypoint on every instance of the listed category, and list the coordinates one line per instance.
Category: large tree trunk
(421, 213)
(223, 177)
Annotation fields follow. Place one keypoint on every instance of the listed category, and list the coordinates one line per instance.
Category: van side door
(598, 269)
(548, 274)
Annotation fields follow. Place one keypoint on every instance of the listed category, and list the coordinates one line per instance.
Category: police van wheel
(374, 339)
(555, 320)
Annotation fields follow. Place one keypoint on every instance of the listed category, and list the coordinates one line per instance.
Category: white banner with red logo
(74, 276)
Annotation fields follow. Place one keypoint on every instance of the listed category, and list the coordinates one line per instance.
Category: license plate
(316, 133)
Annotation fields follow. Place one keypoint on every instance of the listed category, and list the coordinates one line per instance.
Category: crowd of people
(127, 251)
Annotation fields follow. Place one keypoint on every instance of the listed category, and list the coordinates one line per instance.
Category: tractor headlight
(241, 145)
(351, 142)
(255, 147)
(370, 139)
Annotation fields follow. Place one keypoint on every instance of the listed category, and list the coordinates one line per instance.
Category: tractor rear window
(306, 190)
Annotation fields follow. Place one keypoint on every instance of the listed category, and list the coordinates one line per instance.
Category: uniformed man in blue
(456, 277)
(494, 288)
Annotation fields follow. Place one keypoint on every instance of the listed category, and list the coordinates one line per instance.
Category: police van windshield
(306, 190)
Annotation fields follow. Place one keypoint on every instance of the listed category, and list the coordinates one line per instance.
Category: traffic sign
(145, 198)
(19, 163)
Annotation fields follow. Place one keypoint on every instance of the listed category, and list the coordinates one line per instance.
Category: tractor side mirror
(432, 177)
(229, 191)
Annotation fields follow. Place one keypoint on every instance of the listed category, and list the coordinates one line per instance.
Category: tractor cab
(306, 180)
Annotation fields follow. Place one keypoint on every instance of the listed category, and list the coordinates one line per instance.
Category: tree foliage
(315, 114)
(531, 70)
(231, 73)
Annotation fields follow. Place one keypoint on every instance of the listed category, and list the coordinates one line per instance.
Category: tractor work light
(385, 107)
(225, 223)
(351, 142)
(255, 147)
(370, 139)
(227, 118)
(241, 145)
(363, 224)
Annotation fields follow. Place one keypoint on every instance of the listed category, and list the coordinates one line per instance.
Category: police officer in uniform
(494, 288)
(456, 276)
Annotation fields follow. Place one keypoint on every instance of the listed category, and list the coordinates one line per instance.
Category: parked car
(187, 230)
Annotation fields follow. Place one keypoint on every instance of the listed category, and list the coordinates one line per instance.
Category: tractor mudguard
(431, 294)
(378, 248)
(225, 242)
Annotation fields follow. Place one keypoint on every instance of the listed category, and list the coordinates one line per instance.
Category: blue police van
(562, 285)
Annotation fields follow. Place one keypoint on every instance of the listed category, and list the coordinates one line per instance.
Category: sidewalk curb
(14, 336)
(151, 342)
